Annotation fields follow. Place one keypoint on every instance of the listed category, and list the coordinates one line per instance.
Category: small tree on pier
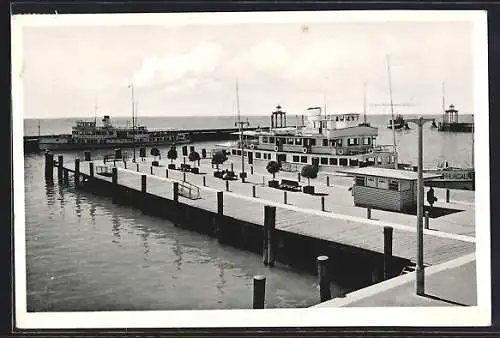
(273, 167)
(309, 171)
(194, 156)
(172, 154)
(218, 158)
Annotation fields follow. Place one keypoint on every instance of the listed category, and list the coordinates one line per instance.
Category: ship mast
(240, 125)
(364, 103)
(392, 113)
(131, 86)
(443, 105)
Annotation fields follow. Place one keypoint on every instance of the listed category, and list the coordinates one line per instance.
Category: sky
(192, 69)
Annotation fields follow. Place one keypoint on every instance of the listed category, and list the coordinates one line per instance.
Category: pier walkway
(302, 214)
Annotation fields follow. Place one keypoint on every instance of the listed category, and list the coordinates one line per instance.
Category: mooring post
(369, 213)
(322, 203)
(232, 166)
(87, 156)
(284, 197)
(59, 167)
(253, 191)
(218, 218)
(388, 231)
(124, 164)
(323, 280)
(426, 224)
(77, 171)
(166, 173)
(204, 181)
(178, 212)
(269, 226)
(298, 177)
(259, 291)
(137, 167)
(447, 195)
(176, 192)
(184, 159)
(114, 162)
(251, 170)
(143, 184)
(183, 176)
(152, 170)
(114, 181)
(49, 166)
(91, 169)
(327, 181)
(227, 185)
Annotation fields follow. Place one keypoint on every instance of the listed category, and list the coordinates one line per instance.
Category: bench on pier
(185, 167)
(289, 185)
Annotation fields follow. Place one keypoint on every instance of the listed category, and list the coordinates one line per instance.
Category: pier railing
(189, 190)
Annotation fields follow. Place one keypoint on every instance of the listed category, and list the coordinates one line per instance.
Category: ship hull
(83, 146)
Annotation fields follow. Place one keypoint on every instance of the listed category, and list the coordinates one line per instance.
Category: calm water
(85, 253)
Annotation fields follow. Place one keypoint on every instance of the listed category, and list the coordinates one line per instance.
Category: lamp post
(241, 125)
(420, 280)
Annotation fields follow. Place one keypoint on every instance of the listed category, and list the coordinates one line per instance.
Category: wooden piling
(219, 232)
(59, 167)
(232, 167)
(204, 181)
(77, 171)
(253, 191)
(322, 203)
(447, 195)
(298, 177)
(369, 213)
(87, 156)
(388, 231)
(269, 227)
(327, 181)
(285, 199)
(91, 169)
(227, 185)
(152, 170)
(176, 192)
(426, 223)
(251, 170)
(259, 291)
(143, 184)
(166, 173)
(323, 280)
(114, 181)
(114, 162)
(183, 176)
(49, 166)
(137, 167)
(124, 164)
(66, 174)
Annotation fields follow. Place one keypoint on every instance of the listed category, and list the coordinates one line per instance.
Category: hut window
(366, 141)
(382, 183)
(303, 159)
(393, 185)
(312, 142)
(295, 158)
(271, 140)
(289, 140)
(343, 161)
(404, 185)
(324, 160)
(360, 180)
(325, 142)
(257, 155)
(370, 182)
(379, 160)
(298, 141)
(265, 139)
(333, 161)
(233, 151)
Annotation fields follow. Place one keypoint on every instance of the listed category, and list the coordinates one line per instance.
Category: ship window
(298, 141)
(379, 160)
(233, 151)
(333, 161)
(303, 159)
(393, 185)
(360, 180)
(257, 154)
(392, 159)
(265, 139)
(354, 162)
(244, 153)
(339, 142)
(370, 182)
(271, 140)
(295, 158)
(289, 140)
(238, 152)
(313, 142)
(350, 141)
(343, 161)
(366, 141)
(325, 142)
(324, 160)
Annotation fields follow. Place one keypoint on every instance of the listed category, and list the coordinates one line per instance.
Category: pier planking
(314, 224)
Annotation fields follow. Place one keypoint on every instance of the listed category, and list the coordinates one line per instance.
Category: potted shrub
(156, 153)
(273, 167)
(193, 157)
(172, 155)
(218, 158)
(309, 171)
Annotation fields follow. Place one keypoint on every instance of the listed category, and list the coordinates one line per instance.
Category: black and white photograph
(251, 169)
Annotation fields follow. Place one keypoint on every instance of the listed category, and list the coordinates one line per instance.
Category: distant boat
(399, 123)
(450, 122)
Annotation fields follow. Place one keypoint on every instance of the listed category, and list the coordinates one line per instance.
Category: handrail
(189, 187)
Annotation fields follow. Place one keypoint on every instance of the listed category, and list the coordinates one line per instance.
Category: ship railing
(290, 167)
(189, 190)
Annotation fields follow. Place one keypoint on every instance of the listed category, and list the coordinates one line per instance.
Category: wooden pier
(289, 234)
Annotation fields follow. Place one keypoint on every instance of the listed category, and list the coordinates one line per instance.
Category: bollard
(166, 173)
(251, 170)
(322, 203)
(259, 291)
(143, 184)
(204, 181)
(124, 164)
(327, 181)
(184, 160)
(114, 162)
(284, 197)
(227, 185)
(447, 195)
(183, 176)
(368, 213)
(77, 171)
(269, 226)
(49, 166)
(59, 167)
(152, 170)
(91, 169)
(87, 156)
(323, 280)
(253, 191)
(137, 165)
(426, 224)
(298, 177)
(232, 167)
(387, 251)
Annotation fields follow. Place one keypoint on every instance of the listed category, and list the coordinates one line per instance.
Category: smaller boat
(399, 123)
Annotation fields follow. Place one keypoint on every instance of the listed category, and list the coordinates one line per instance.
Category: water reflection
(60, 189)
(115, 221)
(221, 283)
(92, 214)
(78, 205)
(49, 192)
(145, 236)
(178, 254)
